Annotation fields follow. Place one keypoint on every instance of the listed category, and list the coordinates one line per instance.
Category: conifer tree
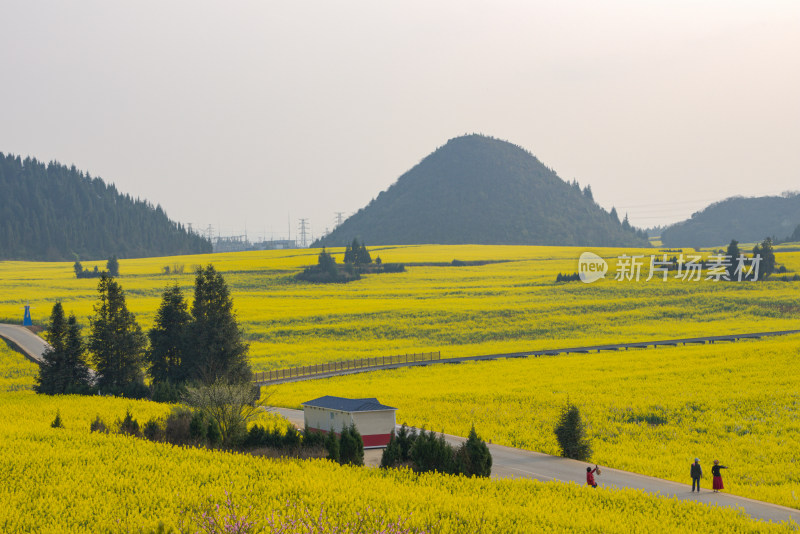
(473, 457)
(64, 369)
(362, 256)
(50, 380)
(351, 446)
(767, 254)
(391, 455)
(218, 350)
(332, 446)
(571, 434)
(116, 341)
(112, 266)
(77, 375)
(327, 263)
(733, 252)
(351, 251)
(166, 358)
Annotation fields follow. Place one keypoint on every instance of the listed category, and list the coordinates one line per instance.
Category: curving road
(31, 345)
(508, 462)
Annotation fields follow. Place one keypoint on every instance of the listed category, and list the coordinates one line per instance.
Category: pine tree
(327, 263)
(430, 453)
(77, 375)
(50, 378)
(351, 446)
(351, 251)
(166, 358)
(116, 341)
(64, 369)
(767, 254)
(571, 434)
(112, 266)
(362, 255)
(332, 446)
(391, 454)
(398, 451)
(626, 225)
(733, 253)
(217, 348)
(473, 457)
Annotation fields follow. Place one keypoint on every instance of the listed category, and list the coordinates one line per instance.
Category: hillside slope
(53, 212)
(480, 190)
(745, 219)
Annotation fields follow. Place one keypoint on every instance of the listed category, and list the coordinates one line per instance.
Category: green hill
(53, 212)
(480, 190)
(747, 220)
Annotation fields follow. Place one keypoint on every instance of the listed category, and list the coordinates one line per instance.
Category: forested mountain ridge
(54, 212)
(748, 220)
(480, 190)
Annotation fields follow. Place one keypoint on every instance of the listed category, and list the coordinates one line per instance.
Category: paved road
(307, 373)
(31, 345)
(508, 462)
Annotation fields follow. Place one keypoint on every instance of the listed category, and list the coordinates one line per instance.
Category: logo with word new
(591, 267)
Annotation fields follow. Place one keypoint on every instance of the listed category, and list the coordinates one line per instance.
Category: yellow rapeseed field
(511, 303)
(649, 411)
(67, 480)
(15, 371)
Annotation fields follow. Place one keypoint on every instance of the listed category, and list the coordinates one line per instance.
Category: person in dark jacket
(590, 476)
(697, 473)
(717, 476)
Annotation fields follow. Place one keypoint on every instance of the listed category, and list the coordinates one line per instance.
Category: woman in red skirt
(717, 476)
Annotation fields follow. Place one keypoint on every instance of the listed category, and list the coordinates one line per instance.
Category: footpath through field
(508, 462)
(29, 343)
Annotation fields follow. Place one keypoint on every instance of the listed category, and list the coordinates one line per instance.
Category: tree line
(54, 213)
(202, 345)
(427, 452)
(357, 261)
(112, 269)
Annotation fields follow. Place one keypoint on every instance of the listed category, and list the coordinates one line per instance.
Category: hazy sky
(241, 113)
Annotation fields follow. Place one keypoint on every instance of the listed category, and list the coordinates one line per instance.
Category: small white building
(373, 420)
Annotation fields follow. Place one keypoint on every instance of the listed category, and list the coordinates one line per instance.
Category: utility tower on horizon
(303, 232)
(339, 218)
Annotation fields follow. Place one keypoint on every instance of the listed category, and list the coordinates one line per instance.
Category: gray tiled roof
(348, 405)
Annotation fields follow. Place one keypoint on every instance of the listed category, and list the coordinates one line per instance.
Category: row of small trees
(357, 253)
(112, 269)
(425, 452)
(763, 249)
(202, 345)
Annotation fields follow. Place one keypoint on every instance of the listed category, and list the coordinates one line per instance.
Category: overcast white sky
(240, 113)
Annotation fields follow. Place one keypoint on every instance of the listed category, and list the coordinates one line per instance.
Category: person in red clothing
(590, 476)
(717, 476)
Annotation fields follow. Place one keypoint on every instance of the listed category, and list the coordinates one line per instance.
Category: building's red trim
(372, 440)
(376, 440)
